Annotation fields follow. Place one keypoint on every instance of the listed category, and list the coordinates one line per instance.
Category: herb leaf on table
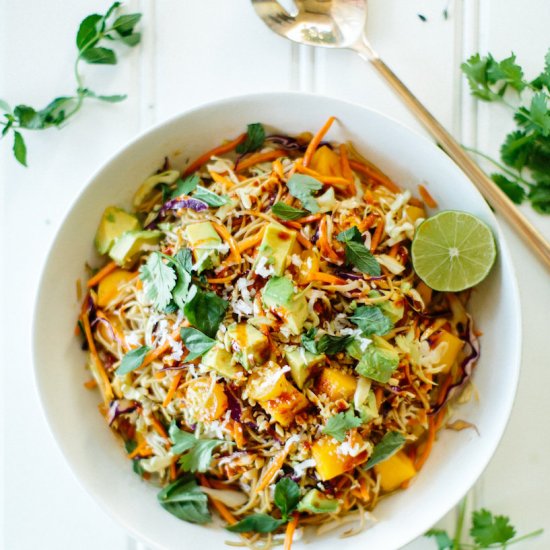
(94, 34)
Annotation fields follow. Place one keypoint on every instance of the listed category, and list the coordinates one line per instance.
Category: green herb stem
(460, 524)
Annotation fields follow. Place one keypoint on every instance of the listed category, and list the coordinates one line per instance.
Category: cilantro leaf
(258, 523)
(255, 137)
(378, 364)
(537, 117)
(159, 279)
(209, 197)
(184, 499)
(196, 342)
(507, 71)
(132, 360)
(476, 72)
(205, 310)
(182, 263)
(371, 320)
(302, 187)
(338, 425)
(286, 212)
(286, 496)
(186, 186)
(488, 529)
(442, 539)
(358, 255)
(513, 189)
(516, 149)
(19, 148)
(197, 452)
(387, 447)
(543, 80)
(540, 198)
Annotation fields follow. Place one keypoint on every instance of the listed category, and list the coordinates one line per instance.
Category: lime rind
(453, 251)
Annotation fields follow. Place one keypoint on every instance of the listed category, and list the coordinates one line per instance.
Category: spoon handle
(492, 193)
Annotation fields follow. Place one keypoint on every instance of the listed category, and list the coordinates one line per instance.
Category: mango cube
(109, 286)
(205, 400)
(336, 384)
(395, 471)
(453, 347)
(332, 458)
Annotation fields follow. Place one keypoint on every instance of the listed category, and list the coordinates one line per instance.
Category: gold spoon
(341, 24)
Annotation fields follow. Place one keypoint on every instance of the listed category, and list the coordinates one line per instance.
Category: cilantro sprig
(487, 531)
(525, 153)
(339, 425)
(95, 32)
(286, 498)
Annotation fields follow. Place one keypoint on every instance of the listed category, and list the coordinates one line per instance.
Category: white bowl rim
(505, 259)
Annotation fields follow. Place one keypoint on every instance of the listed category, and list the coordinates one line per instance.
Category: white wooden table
(194, 51)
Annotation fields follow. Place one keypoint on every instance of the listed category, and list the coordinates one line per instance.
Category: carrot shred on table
(101, 274)
(316, 140)
(377, 177)
(251, 241)
(90, 384)
(260, 157)
(289, 533)
(219, 150)
(220, 506)
(226, 236)
(377, 235)
(275, 465)
(172, 390)
(428, 199)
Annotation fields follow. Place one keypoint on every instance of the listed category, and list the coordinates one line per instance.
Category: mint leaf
(88, 33)
(19, 148)
(302, 187)
(209, 197)
(488, 529)
(378, 364)
(159, 279)
(205, 310)
(196, 342)
(442, 539)
(131, 40)
(359, 256)
(184, 499)
(132, 360)
(124, 25)
(255, 137)
(388, 446)
(99, 56)
(286, 212)
(338, 425)
(371, 320)
(328, 343)
(350, 235)
(257, 523)
(286, 496)
(186, 186)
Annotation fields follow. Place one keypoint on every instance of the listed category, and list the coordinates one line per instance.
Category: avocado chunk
(250, 346)
(280, 296)
(129, 245)
(276, 246)
(219, 360)
(315, 502)
(114, 222)
(205, 242)
(301, 363)
(146, 189)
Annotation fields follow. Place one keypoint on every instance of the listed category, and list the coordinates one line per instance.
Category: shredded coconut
(261, 268)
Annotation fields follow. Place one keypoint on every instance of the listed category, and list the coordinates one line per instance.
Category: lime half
(453, 250)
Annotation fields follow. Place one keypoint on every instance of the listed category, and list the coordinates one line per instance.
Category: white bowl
(92, 451)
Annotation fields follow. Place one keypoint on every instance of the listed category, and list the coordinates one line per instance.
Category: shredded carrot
(314, 143)
(278, 168)
(156, 353)
(275, 465)
(377, 177)
(220, 506)
(378, 394)
(306, 243)
(160, 375)
(218, 178)
(325, 278)
(289, 533)
(323, 242)
(101, 274)
(141, 450)
(377, 235)
(224, 234)
(173, 471)
(421, 459)
(221, 280)
(95, 357)
(428, 199)
(118, 335)
(251, 241)
(172, 389)
(238, 435)
(260, 157)
(336, 181)
(346, 169)
(159, 428)
(90, 384)
(367, 222)
(309, 219)
(219, 150)
(394, 250)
